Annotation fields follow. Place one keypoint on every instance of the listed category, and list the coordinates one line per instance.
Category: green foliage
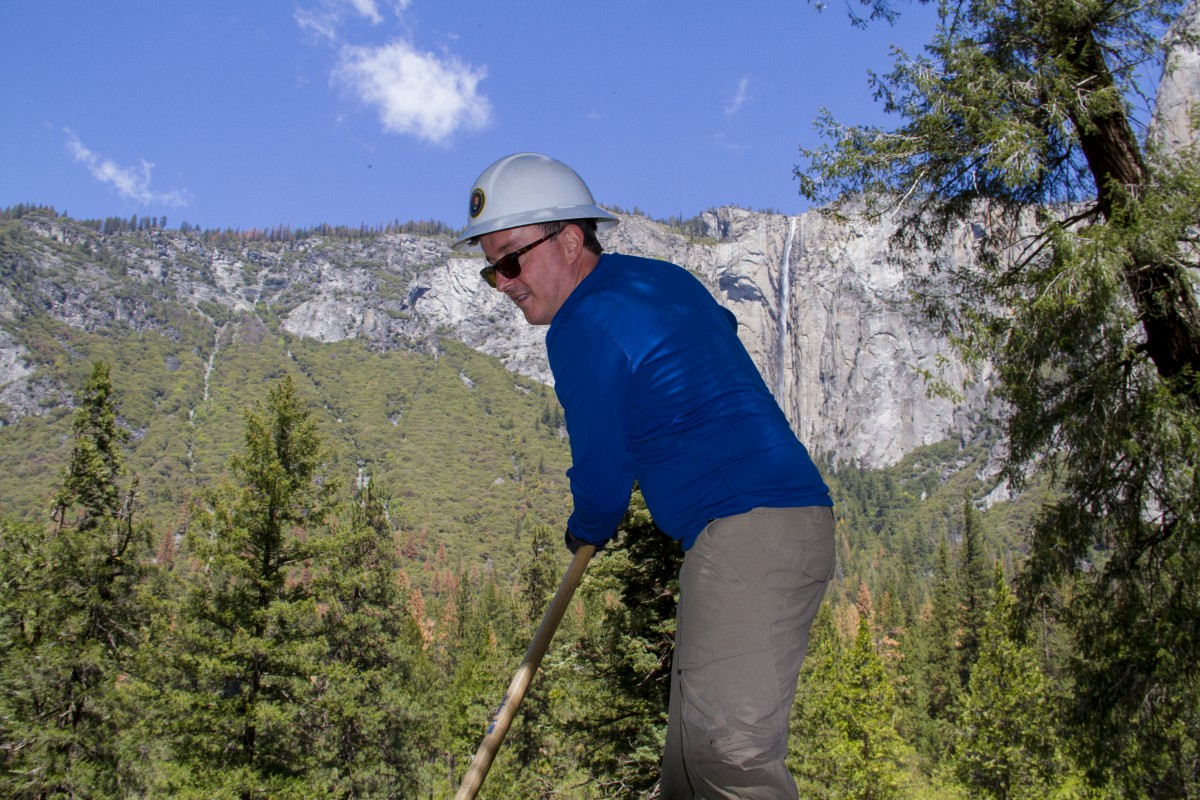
(291, 664)
(72, 619)
(532, 739)
(280, 233)
(1010, 746)
(625, 655)
(501, 471)
(974, 593)
(478, 652)
(367, 719)
(247, 642)
(844, 739)
(938, 660)
(892, 521)
(27, 209)
(282, 648)
(1016, 125)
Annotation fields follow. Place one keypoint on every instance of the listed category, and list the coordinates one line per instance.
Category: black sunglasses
(508, 265)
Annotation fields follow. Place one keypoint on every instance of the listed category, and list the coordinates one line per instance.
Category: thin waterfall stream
(785, 301)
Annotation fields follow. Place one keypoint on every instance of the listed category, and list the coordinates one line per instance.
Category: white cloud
(325, 18)
(416, 93)
(739, 98)
(320, 22)
(132, 183)
(368, 9)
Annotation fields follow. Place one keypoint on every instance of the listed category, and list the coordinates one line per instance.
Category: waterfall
(258, 289)
(208, 366)
(212, 357)
(785, 301)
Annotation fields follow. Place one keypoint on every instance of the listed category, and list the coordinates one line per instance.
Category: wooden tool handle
(503, 717)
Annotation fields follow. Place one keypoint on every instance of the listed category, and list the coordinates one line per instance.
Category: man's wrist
(573, 542)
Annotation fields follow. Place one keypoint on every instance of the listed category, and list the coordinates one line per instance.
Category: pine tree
(476, 665)
(539, 575)
(844, 739)
(72, 617)
(817, 749)
(1009, 746)
(367, 724)
(539, 580)
(623, 660)
(974, 592)
(945, 675)
(247, 646)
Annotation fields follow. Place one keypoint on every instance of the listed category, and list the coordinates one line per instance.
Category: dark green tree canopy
(1017, 129)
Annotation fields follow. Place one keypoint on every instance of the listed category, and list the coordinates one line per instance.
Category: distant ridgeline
(279, 233)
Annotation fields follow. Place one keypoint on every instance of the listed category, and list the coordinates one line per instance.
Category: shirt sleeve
(591, 378)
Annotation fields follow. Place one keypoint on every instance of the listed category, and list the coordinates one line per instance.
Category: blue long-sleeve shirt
(656, 386)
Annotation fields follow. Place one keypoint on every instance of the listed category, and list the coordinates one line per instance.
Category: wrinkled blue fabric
(656, 386)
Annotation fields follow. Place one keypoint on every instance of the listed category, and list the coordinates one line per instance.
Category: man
(657, 387)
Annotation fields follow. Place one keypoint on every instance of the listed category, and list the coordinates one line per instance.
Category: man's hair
(588, 226)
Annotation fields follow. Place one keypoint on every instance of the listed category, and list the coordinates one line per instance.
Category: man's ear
(572, 239)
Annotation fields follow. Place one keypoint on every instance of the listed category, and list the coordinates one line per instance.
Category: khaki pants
(749, 589)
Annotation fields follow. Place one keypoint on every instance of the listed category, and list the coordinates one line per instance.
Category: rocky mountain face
(1177, 101)
(826, 315)
(823, 311)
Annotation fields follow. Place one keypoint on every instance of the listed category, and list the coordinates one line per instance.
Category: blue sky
(257, 113)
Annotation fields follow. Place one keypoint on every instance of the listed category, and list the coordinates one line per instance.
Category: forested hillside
(185, 391)
(385, 417)
(292, 630)
(173, 636)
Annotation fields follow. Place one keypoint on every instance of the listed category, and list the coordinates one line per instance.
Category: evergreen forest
(308, 570)
(295, 630)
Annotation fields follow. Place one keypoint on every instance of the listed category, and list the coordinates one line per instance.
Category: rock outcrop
(823, 311)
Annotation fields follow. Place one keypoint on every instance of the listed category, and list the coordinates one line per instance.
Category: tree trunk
(1162, 292)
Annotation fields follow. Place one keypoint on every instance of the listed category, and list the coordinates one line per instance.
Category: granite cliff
(824, 312)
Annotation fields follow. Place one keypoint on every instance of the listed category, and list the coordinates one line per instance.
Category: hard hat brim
(468, 240)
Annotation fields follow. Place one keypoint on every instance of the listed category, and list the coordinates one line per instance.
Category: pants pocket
(730, 699)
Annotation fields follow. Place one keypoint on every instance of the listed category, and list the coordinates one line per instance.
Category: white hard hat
(525, 189)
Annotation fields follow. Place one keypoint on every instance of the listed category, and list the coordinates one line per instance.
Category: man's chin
(529, 312)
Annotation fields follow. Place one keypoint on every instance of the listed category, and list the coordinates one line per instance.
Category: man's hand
(574, 542)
